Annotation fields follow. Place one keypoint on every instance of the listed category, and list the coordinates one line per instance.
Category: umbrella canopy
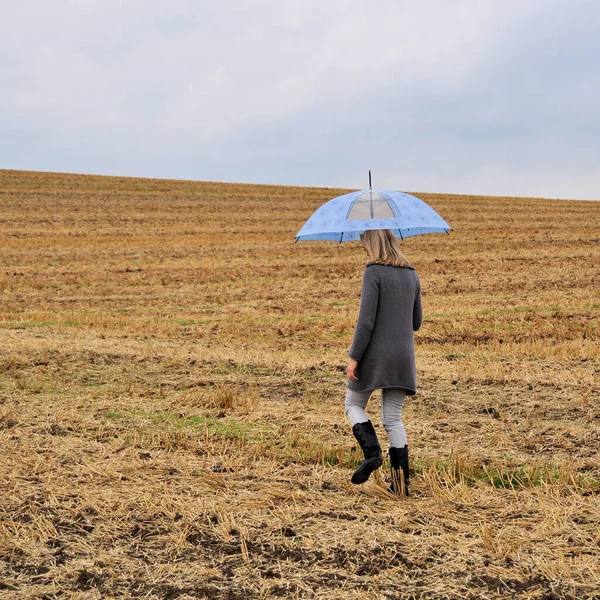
(344, 218)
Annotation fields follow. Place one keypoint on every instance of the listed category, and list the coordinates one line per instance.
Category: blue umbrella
(344, 218)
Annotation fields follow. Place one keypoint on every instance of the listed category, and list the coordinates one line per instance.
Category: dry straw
(171, 400)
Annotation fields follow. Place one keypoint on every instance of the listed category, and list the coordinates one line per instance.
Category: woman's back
(390, 310)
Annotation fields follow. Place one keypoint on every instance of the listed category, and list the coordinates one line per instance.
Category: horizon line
(321, 187)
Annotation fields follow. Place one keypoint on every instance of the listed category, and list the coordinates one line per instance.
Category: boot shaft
(399, 458)
(367, 438)
(400, 473)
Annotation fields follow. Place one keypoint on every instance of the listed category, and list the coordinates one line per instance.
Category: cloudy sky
(461, 96)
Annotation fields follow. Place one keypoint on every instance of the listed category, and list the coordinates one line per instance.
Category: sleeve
(417, 307)
(369, 299)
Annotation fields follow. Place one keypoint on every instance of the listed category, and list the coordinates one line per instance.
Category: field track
(171, 399)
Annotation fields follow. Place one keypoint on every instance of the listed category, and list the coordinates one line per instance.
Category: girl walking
(382, 355)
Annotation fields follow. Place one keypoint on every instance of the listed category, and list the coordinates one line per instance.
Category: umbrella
(344, 218)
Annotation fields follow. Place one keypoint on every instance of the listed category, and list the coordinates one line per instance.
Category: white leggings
(392, 401)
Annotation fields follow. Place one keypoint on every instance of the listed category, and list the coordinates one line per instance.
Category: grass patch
(230, 429)
(506, 475)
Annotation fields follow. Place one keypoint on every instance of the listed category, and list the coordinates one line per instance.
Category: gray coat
(384, 346)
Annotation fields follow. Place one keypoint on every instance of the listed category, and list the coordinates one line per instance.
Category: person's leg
(356, 402)
(392, 402)
(364, 432)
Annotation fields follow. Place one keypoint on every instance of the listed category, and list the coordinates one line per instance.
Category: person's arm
(417, 307)
(369, 300)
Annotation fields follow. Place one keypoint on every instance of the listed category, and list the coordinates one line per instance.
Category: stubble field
(172, 384)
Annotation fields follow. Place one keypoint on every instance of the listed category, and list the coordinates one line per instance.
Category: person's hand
(351, 369)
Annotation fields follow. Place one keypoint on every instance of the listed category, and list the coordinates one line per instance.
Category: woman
(382, 355)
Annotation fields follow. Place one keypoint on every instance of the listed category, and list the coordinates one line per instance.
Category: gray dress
(383, 345)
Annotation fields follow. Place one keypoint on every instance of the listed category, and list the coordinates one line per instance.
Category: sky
(468, 96)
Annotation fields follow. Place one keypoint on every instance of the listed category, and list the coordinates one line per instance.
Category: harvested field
(172, 375)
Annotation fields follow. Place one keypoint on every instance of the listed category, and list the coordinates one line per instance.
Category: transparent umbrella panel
(370, 206)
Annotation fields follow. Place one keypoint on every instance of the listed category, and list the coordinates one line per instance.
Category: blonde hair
(383, 248)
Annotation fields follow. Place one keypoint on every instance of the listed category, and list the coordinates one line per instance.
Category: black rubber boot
(400, 477)
(367, 438)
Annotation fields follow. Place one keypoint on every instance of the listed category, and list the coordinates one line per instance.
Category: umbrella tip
(369, 178)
